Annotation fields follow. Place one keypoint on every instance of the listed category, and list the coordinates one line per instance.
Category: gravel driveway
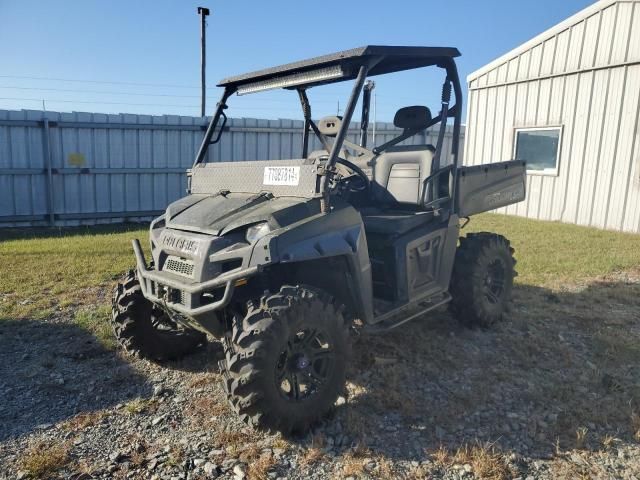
(553, 392)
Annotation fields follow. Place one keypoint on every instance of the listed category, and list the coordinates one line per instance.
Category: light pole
(203, 12)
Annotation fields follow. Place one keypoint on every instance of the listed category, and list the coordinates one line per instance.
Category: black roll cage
(365, 65)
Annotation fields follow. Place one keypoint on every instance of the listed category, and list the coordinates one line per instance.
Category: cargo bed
(486, 187)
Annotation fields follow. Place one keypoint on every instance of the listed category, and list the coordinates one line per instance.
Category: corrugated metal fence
(87, 168)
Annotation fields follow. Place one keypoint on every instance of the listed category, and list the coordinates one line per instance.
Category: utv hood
(219, 214)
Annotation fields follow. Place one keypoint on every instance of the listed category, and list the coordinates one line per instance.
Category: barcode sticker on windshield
(281, 176)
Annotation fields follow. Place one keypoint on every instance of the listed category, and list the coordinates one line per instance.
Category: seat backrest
(398, 174)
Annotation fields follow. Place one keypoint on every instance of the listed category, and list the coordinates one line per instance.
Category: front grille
(179, 266)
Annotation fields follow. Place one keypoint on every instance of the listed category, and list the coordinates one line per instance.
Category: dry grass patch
(176, 456)
(581, 437)
(564, 469)
(591, 466)
(259, 467)
(83, 469)
(281, 443)
(140, 405)
(315, 452)
(83, 420)
(485, 461)
(202, 381)
(384, 469)
(417, 473)
(635, 426)
(259, 462)
(203, 411)
(353, 462)
(234, 442)
(607, 442)
(352, 466)
(42, 460)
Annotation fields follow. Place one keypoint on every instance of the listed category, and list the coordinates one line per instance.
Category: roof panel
(394, 59)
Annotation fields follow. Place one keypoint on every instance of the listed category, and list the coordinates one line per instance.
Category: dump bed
(486, 187)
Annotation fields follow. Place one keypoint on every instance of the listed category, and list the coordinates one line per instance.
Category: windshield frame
(328, 170)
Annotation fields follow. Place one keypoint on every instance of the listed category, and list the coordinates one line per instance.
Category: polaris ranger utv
(276, 258)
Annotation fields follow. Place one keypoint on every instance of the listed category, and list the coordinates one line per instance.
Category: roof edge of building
(560, 27)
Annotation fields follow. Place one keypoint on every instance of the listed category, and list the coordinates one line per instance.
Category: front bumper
(153, 281)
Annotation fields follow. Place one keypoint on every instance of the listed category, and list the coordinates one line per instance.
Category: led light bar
(313, 76)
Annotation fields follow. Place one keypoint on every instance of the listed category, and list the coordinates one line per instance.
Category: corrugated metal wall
(86, 168)
(585, 77)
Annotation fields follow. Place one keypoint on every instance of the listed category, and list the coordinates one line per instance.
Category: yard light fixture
(303, 78)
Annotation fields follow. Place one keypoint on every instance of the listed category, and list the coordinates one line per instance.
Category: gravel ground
(553, 392)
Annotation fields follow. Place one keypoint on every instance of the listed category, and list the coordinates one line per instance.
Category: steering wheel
(359, 172)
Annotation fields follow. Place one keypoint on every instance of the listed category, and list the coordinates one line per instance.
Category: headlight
(158, 222)
(257, 231)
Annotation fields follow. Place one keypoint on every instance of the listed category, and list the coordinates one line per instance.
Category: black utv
(277, 258)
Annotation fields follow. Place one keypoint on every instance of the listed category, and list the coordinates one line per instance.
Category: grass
(43, 460)
(95, 320)
(315, 452)
(260, 467)
(73, 269)
(83, 420)
(485, 461)
(581, 437)
(551, 253)
(204, 411)
(140, 405)
(635, 426)
(44, 270)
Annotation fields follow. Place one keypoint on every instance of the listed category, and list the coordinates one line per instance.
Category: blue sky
(143, 56)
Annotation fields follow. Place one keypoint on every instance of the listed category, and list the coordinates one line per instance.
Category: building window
(540, 148)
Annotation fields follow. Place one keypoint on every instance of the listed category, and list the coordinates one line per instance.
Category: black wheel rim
(494, 281)
(305, 365)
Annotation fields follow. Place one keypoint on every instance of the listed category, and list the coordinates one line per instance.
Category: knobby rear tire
(482, 279)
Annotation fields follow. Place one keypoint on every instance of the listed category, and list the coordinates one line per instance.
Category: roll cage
(357, 64)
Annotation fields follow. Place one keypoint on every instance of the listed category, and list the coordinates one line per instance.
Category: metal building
(568, 102)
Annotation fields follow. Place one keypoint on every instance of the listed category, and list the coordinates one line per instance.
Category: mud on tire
(482, 279)
(285, 361)
(144, 330)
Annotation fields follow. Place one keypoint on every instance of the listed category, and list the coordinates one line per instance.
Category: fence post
(46, 147)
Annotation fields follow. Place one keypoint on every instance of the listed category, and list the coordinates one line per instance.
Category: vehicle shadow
(560, 373)
(204, 360)
(51, 371)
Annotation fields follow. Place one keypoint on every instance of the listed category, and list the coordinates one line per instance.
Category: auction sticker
(281, 176)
